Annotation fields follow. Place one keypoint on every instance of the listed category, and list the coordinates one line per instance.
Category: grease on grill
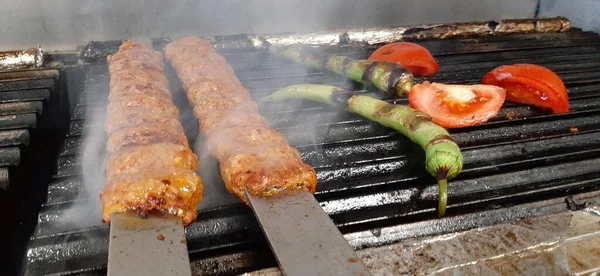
(97, 50)
(573, 129)
(511, 115)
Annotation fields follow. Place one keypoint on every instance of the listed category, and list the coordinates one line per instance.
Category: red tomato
(413, 57)
(531, 84)
(456, 106)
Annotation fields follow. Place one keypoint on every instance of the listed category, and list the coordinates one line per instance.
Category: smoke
(94, 154)
(301, 122)
(304, 123)
(215, 193)
(298, 120)
(86, 210)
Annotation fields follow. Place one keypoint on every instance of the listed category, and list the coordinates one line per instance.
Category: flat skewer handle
(147, 246)
(303, 238)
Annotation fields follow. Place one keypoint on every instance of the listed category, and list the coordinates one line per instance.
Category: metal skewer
(147, 246)
(302, 236)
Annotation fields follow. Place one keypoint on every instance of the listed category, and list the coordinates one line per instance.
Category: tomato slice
(415, 58)
(531, 84)
(457, 106)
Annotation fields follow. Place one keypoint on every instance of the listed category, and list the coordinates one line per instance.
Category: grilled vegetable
(443, 157)
(416, 58)
(386, 76)
(456, 106)
(531, 84)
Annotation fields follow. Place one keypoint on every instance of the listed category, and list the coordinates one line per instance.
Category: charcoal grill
(522, 164)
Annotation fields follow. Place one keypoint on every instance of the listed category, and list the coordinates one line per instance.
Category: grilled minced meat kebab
(252, 156)
(151, 167)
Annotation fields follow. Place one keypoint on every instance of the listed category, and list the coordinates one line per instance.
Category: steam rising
(94, 154)
(304, 128)
(86, 211)
(300, 127)
(215, 193)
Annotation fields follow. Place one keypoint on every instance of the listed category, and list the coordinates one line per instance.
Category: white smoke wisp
(86, 211)
(94, 154)
(215, 193)
(303, 122)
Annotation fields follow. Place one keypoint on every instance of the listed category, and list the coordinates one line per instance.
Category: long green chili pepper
(443, 157)
(386, 76)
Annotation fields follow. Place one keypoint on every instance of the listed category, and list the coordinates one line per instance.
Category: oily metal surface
(303, 238)
(371, 179)
(559, 244)
(147, 246)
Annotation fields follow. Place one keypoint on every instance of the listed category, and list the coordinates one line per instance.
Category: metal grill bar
(370, 177)
(14, 137)
(24, 101)
(24, 95)
(35, 107)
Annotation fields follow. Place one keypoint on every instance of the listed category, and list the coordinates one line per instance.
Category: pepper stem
(443, 196)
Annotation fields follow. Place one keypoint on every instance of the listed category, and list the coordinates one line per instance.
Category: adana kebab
(252, 156)
(259, 166)
(386, 76)
(151, 167)
(443, 157)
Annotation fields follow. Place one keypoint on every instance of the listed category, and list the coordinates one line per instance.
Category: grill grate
(30, 108)
(23, 94)
(370, 178)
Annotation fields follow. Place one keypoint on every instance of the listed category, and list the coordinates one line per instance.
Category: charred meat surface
(151, 167)
(252, 156)
(162, 104)
(135, 116)
(174, 191)
(134, 160)
(146, 135)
